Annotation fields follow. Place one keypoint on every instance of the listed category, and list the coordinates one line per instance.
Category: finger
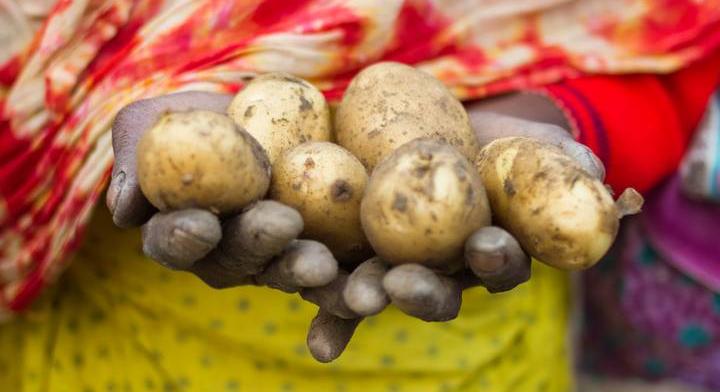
(364, 293)
(304, 263)
(583, 156)
(497, 259)
(177, 239)
(421, 293)
(254, 237)
(210, 271)
(527, 106)
(330, 297)
(124, 199)
(329, 335)
(490, 126)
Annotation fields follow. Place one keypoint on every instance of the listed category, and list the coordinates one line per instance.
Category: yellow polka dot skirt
(118, 322)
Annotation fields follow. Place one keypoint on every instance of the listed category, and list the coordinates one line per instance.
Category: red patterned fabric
(72, 64)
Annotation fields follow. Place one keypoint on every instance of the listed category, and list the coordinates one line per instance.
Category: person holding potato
(115, 321)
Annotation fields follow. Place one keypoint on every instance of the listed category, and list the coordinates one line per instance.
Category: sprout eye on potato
(389, 104)
(201, 159)
(559, 213)
(422, 203)
(281, 111)
(325, 183)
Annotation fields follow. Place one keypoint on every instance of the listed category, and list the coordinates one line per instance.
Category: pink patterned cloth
(653, 304)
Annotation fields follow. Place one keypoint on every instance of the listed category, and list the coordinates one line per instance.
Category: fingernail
(599, 165)
(591, 163)
(192, 239)
(115, 190)
(486, 263)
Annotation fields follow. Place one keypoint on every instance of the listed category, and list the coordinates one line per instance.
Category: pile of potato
(399, 174)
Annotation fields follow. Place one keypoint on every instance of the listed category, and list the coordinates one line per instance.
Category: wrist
(528, 106)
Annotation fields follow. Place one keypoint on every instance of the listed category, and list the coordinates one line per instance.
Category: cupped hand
(260, 245)
(257, 246)
(493, 257)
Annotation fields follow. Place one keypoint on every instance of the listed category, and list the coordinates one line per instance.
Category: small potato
(559, 213)
(422, 203)
(389, 104)
(281, 111)
(325, 183)
(201, 159)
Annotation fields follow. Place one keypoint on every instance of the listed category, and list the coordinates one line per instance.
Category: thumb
(126, 202)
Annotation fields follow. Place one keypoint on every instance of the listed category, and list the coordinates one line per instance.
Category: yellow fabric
(119, 322)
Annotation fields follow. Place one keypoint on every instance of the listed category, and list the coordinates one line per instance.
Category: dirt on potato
(559, 213)
(389, 104)
(421, 204)
(201, 159)
(281, 111)
(325, 183)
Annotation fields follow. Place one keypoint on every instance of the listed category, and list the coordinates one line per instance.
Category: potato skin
(281, 111)
(389, 104)
(422, 203)
(325, 183)
(201, 159)
(559, 213)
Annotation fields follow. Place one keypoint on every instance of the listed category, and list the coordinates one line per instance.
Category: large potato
(325, 183)
(281, 111)
(389, 104)
(422, 203)
(201, 159)
(559, 213)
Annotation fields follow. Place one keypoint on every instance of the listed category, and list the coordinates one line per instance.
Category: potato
(559, 213)
(201, 159)
(389, 104)
(422, 203)
(281, 111)
(325, 183)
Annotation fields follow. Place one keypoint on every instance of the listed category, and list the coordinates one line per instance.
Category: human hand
(231, 254)
(257, 246)
(494, 259)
